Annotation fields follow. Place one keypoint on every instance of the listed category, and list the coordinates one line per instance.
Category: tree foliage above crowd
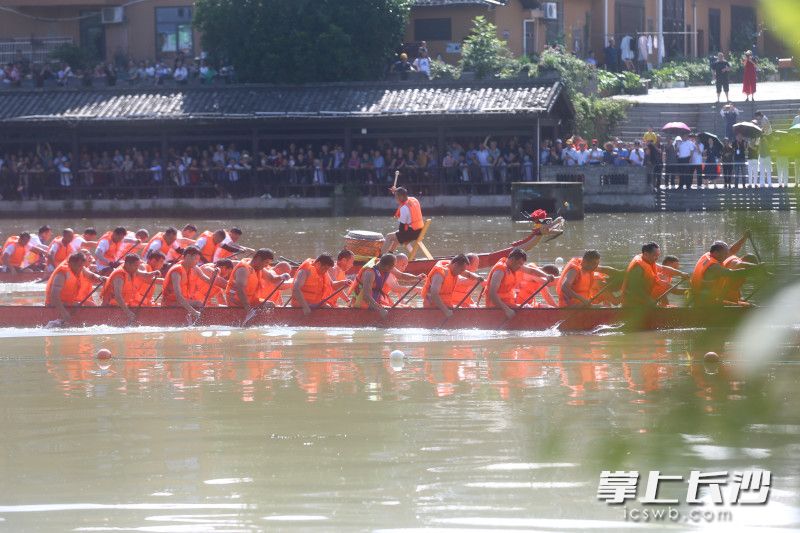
(302, 41)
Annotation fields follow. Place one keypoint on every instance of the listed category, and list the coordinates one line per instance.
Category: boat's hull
(23, 277)
(487, 319)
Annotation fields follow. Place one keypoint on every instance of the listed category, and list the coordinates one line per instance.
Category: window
(529, 43)
(174, 29)
(433, 30)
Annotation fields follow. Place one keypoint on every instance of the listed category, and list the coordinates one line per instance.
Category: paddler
(732, 288)
(465, 284)
(503, 278)
(338, 275)
(709, 274)
(224, 268)
(229, 245)
(181, 284)
(312, 283)
(409, 216)
(69, 284)
(392, 285)
(165, 242)
(61, 248)
(209, 242)
(576, 285)
(121, 287)
(666, 271)
(36, 255)
(184, 238)
(641, 286)
(154, 263)
(135, 242)
(368, 286)
(14, 251)
(188, 233)
(527, 284)
(441, 282)
(250, 279)
(108, 249)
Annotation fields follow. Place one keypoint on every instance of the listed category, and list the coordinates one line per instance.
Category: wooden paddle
(323, 302)
(205, 300)
(396, 175)
(464, 299)
(528, 300)
(90, 294)
(403, 297)
(253, 312)
(755, 250)
(290, 261)
(673, 287)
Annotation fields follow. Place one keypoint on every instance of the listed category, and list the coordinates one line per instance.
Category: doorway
(92, 35)
(674, 28)
(714, 31)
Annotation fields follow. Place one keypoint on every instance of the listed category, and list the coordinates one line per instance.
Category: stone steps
(703, 117)
(773, 199)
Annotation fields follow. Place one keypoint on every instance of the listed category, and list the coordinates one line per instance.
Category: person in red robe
(749, 82)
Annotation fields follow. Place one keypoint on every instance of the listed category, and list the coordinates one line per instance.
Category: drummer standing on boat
(409, 216)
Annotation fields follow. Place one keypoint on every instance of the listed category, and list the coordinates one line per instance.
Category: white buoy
(397, 360)
(559, 262)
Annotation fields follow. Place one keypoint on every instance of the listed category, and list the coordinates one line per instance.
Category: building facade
(147, 30)
(687, 28)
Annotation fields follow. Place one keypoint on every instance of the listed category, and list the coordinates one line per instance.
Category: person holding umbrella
(740, 149)
(752, 131)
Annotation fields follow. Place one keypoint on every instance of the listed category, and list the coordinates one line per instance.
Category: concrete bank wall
(252, 207)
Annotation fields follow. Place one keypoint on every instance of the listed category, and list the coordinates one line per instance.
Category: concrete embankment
(251, 207)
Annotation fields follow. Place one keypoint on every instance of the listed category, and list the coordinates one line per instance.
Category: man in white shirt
(38, 248)
(763, 122)
(595, 154)
(685, 149)
(570, 155)
(636, 156)
(582, 155)
(696, 160)
(485, 161)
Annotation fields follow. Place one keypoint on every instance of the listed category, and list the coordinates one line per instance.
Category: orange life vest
(582, 285)
(650, 276)
(61, 250)
(129, 292)
(506, 289)
(698, 282)
(18, 256)
(446, 289)
(316, 287)
(663, 282)
(74, 289)
(416, 213)
(189, 285)
(141, 286)
(209, 247)
(527, 284)
(253, 289)
(338, 276)
(732, 288)
(222, 253)
(378, 283)
(110, 255)
(164, 248)
(463, 286)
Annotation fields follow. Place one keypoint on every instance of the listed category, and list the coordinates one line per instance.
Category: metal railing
(259, 182)
(34, 50)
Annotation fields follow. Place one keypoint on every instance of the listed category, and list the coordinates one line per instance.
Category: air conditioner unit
(112, 15)
(550, 10)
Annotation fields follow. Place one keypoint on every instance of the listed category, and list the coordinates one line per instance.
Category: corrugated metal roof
(264, 102)
(438, 3)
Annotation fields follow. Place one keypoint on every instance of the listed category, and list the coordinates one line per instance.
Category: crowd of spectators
(180, 70)
(231, 171)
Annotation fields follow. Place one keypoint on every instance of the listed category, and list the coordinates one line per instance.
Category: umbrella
(748, 129)
(676, 128)
(708, 139)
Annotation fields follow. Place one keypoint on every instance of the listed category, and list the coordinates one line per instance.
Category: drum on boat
(364, 243)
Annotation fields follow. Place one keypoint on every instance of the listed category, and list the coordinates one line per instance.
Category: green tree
(483, 53)
(302, 41)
